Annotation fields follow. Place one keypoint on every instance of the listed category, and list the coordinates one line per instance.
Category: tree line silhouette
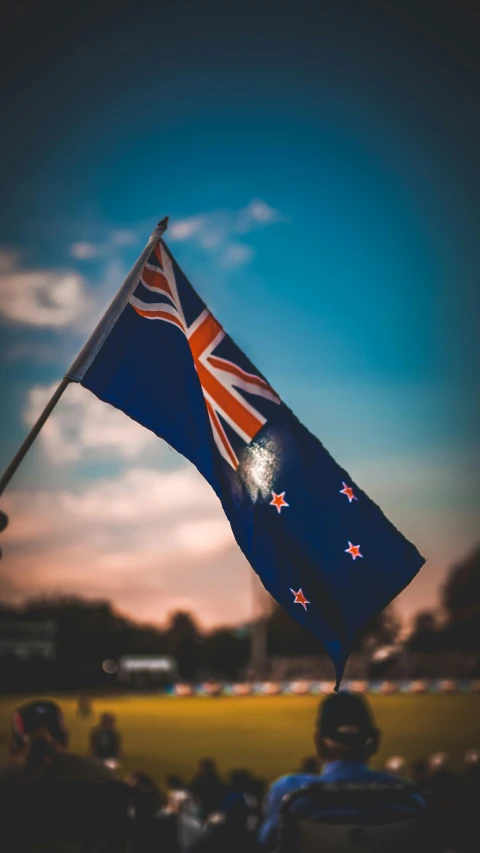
(88, 632)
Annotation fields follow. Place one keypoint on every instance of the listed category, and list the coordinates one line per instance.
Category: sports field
(269, 735)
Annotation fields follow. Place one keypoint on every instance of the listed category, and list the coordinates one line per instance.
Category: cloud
(83, 426)
(236, 254)
(218, 231)
(115, 238)
(47, 298)
(256, 213)
(185, 229)
(84, 251)
(150, 541)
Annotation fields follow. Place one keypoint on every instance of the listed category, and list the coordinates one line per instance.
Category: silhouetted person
(84, 706)
(145, 795)
(419, 773)
(51, 798)
(105, 740)
(241, 793)
(189, 828)
(40, 749)
(207, 787)
(345, 739)
(176, 783)
(472, 766)
(446, 802)
(471, 799)
(152, 831)
(233, 828)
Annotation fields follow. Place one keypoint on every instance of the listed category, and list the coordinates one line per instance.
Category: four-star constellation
(279, 502)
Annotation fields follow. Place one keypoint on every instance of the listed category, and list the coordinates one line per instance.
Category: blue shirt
(335, 771)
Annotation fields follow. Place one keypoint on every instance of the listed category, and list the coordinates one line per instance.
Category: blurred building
(26, 640)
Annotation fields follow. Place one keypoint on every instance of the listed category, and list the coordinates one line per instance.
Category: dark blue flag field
(321, 547)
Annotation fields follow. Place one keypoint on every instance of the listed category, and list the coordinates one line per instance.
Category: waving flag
(321, 547)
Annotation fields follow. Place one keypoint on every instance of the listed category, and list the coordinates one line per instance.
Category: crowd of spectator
(53, 797)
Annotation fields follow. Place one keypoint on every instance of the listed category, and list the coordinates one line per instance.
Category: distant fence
(319, 688)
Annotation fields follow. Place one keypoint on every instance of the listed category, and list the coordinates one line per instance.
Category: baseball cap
(345, 719)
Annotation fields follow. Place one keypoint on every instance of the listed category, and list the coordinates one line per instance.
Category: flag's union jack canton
(311, 534)
(222, 380)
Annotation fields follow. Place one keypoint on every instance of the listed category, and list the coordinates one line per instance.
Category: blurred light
(388, 687)
(358, 686)
(472, 756)
(448, 685)
(438, 761)
(162, 664)
(418, 686)
(300, 687)
(212, 688)
(183, 690)
(395, 764)
(270, 688)
(111, 763)
(242, 689)
(384, 653)
(110, 666)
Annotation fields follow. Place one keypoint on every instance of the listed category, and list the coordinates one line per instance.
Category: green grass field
(266, 734)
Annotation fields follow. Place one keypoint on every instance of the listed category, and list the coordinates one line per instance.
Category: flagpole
(96, 340)
(21, 453)
(88, 352)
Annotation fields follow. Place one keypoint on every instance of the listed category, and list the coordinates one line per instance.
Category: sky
(319, 164)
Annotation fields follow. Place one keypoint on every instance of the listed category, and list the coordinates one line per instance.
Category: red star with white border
(354, 550)
(348, 491)
(278, 501)
(300, 598)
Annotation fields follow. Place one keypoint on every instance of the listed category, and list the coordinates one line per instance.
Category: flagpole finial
(162, 225)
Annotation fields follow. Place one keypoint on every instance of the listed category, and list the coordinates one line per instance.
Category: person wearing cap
(39, 749)
(345, 739)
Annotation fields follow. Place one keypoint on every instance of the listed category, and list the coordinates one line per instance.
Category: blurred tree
(223, 653)
(461, 602)
(182, 641)
(424, 637)
(382, 630)
(87, 633)
(286, 637)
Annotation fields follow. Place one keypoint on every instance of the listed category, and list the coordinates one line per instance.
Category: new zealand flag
(321, 547)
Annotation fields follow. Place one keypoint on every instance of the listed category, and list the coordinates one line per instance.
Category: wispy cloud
(41, 297)
(83, 427)
(53, 298)
(223, 232)
(116, 238)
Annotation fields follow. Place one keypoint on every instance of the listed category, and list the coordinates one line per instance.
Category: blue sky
(320, 176)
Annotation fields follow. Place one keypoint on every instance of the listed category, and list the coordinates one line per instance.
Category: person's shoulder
(381, 777)
(291, 782)
(81, 768)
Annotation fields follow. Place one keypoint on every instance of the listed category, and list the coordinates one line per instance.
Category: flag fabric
(322, 548)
